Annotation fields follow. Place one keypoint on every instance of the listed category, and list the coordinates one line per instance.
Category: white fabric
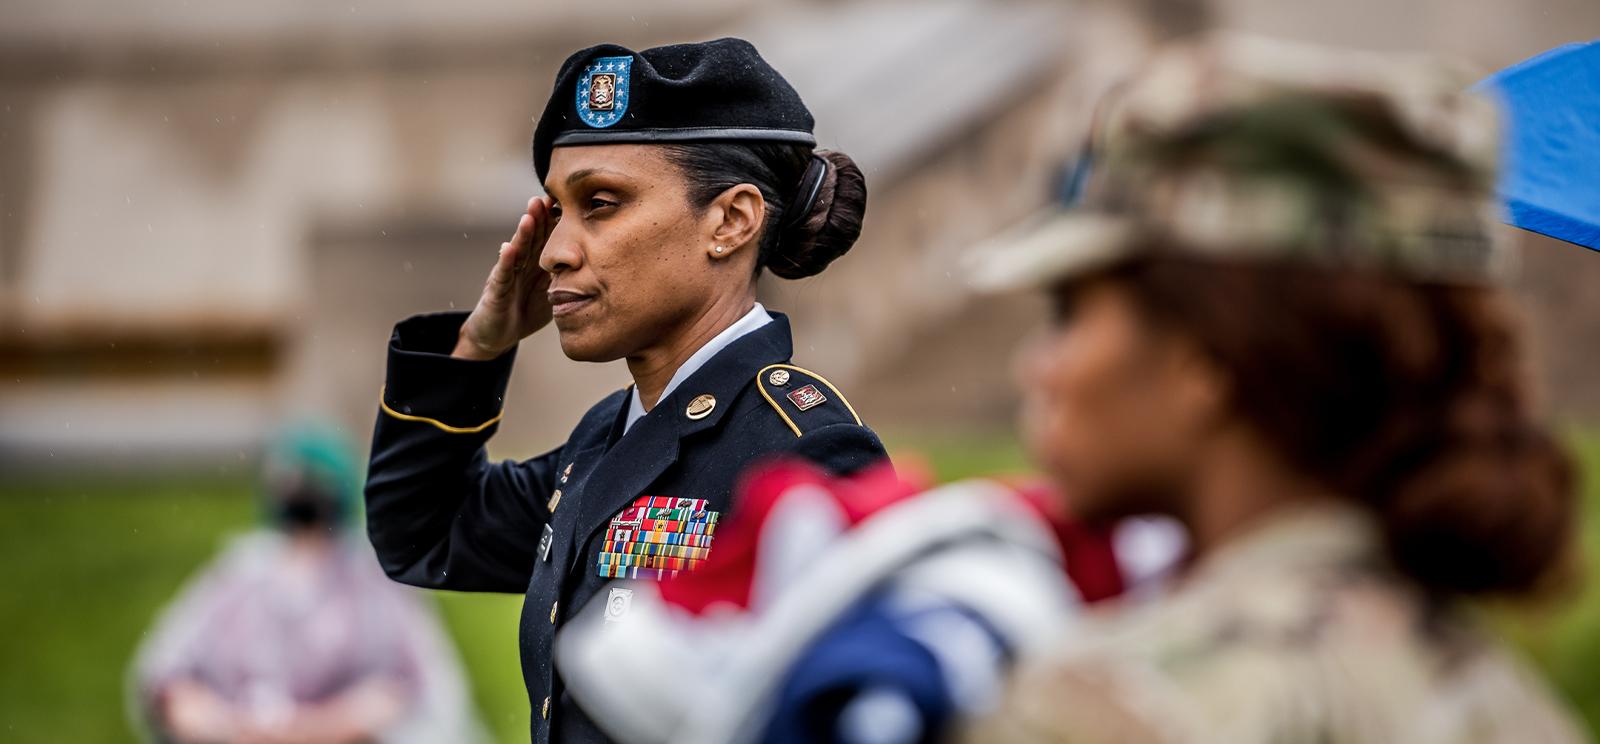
(756, 318)
(666, 675)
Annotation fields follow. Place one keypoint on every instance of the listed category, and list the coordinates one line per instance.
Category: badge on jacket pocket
(656, 537)
(618, 602)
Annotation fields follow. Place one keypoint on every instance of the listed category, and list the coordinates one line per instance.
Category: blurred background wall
(212, 213)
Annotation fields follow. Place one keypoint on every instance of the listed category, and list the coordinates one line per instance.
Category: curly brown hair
(1410, 398)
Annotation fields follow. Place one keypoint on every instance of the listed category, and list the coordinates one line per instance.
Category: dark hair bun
(830, 228)
(1486, 514)
(1426, 419)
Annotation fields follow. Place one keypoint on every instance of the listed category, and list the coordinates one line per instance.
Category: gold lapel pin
(701, 407)
(555, 500)
(779, 377)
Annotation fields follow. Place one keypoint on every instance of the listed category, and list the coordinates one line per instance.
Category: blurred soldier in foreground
(1276, 320)
(294, 634)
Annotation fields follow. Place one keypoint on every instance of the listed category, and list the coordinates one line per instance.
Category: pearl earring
(719, 249)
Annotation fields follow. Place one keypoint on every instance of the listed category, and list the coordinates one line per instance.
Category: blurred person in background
(1277, 320)
(675, 177)
(293, 634)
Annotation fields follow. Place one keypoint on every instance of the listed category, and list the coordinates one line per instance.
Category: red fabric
(729, 571)
(1088, 552)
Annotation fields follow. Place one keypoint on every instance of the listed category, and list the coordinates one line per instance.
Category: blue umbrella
(1551, 180)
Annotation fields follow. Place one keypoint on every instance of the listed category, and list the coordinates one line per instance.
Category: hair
(1408, 398)
(792, 250)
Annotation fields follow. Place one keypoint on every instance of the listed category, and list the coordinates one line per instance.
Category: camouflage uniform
(1251, 149)
(1297, 630)
(1294, 633)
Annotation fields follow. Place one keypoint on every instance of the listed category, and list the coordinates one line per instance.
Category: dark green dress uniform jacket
(443, 516)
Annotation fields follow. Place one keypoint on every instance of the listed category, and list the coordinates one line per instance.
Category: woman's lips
(566, 302)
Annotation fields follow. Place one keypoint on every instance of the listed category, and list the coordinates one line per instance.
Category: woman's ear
(1201, 387)
(736, 217)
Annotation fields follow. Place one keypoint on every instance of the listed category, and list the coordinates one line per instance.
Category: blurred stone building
(212, 213)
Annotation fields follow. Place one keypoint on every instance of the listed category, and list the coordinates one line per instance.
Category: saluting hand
(513, 304)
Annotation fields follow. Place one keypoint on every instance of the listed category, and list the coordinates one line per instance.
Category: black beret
(714, 91)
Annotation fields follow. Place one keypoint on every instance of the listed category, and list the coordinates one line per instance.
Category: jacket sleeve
(441, 515)
(841, 449)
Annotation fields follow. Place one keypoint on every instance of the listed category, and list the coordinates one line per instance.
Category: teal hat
(317, 455)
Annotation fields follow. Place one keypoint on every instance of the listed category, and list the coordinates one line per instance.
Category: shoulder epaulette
(804, 399)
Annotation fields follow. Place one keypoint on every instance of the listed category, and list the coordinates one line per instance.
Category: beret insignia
(603, 91)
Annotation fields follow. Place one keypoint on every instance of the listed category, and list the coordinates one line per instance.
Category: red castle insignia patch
(807, 398)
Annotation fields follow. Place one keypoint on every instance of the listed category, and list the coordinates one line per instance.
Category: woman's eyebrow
(579, 175)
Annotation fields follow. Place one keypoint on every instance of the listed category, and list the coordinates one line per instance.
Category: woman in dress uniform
(1277, 321)
(675, 177)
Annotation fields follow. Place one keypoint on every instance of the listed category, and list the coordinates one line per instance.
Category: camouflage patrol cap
(1251, 149)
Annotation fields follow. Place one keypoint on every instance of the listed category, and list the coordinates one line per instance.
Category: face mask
(305, 508)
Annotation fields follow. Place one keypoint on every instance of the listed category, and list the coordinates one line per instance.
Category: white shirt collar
(756, 318)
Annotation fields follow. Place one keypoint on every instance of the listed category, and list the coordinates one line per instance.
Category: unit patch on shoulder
(807, 398)
(798, 396)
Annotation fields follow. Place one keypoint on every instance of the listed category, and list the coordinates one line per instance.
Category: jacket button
(553, 612)
(545, 712)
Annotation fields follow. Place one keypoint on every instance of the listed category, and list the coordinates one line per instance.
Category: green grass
(89, 564)
(1563, 637)
(485, 629)
(92, 558)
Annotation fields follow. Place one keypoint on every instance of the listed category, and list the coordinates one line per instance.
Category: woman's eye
(555, 211)
(1063, 309)
(597, 203)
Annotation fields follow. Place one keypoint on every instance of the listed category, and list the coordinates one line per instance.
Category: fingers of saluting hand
(547, 219)
(522, 242)
(514, 257)
(533, 229)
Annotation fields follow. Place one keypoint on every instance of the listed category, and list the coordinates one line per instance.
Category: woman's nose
(561, 251)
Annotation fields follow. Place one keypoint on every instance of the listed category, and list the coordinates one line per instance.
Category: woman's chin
(583, 344)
